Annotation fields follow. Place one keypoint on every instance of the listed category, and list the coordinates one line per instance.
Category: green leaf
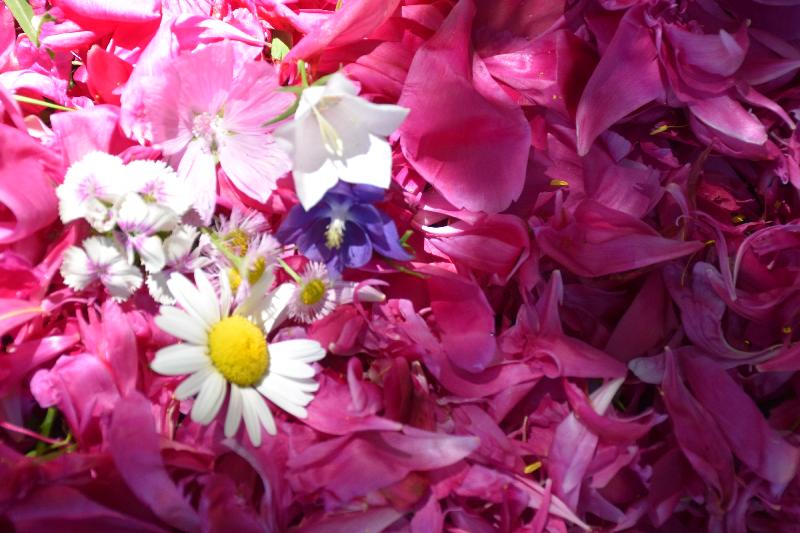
(23, 12)
(278, 49)
(43, 103)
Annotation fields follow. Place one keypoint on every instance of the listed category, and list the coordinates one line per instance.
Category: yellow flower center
(238, 350)
(312, 292)
(237, 239)
(255, 273)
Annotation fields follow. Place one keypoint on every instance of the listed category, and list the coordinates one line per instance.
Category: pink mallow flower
(207, 107)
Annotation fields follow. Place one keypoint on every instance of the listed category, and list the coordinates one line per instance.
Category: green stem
(45, 428)
(43, 103)
(219, 245)
(289, 270)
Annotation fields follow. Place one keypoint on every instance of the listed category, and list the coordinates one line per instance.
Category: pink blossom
(203, 110)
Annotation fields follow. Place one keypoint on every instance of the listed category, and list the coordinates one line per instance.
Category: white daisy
(100, 259)
(313, 297)
(316, 296)
(224, 346)
(337, 135)
(91, 187)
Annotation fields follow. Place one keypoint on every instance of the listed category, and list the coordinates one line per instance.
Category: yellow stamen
(334, 233)
(559, 183)
(312, 292)
(238, 350)
(238, 239)
(253, 275)
(787, 330)
(531, 468)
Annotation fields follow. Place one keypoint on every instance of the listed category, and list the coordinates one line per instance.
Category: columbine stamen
(334, 233)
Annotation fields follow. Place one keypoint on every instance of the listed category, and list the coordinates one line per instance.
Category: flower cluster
(399, 265)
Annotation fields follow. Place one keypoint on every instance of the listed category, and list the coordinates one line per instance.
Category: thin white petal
(250, 415)
(209, 295)
(291, 401)
(225, 296)
(191, 300)
(277, 309)
(209, 400)
(305, 350)
(180, 324)
(234, 417)
(191, 385)
(290, 389)
(290, 368)
(179, 359)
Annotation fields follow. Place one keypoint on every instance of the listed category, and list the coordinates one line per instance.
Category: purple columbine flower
(343, 229)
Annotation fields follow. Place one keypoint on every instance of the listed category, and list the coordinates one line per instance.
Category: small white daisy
(240, 229)
(91, 187)
(316, 296)
(224, 346)
(313, 297)
(100, 259)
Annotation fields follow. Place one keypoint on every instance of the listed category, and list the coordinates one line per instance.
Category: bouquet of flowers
(399, 265)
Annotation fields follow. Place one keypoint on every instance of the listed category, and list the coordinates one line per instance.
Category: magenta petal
(26, 210)
(134, 445)
(473, 151)
(603, 241)
(626, 78)
(112, 10)
(698, 435)
(354, 21)
(724, 119)
(466, 320)
(750, 437)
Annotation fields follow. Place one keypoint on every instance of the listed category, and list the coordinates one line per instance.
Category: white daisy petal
(303, 350)
(307, 385)
(192, 300)
(277, 306)
(225, 296)
(192, 385)
(264, 414)
(209, 295)
(209, 399)
(250, 415)
(182, 325)
(234, 417)
(179, 359)
(290, 368)
(287, 388)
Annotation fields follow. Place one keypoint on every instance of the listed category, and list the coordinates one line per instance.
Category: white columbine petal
(338, 135)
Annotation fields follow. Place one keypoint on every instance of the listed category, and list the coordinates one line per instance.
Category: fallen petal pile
(399, 265)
